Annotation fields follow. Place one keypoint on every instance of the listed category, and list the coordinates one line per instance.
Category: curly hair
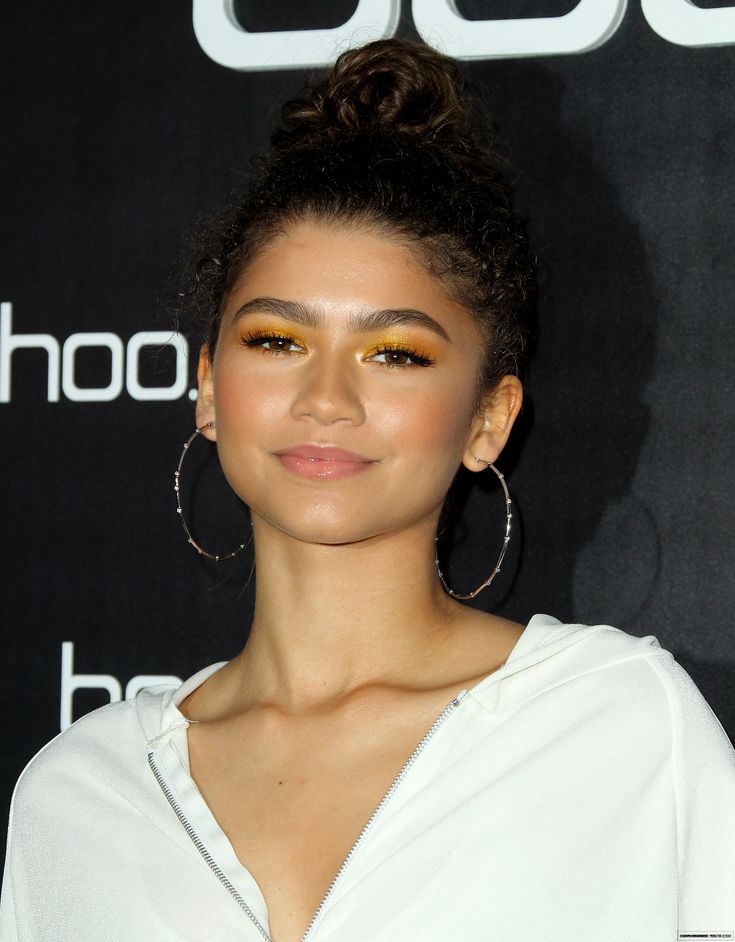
(389, 139)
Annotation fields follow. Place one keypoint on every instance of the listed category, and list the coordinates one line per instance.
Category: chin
(323, 529)
(338, 534)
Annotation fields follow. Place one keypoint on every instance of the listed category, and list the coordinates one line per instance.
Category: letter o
(685, 24)
(590, 24)
(100, 394)
(157, 338)
(228, 44)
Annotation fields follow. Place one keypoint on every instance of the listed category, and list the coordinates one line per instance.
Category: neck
(332, 619)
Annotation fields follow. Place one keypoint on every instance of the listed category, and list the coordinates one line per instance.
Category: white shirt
(584, 792)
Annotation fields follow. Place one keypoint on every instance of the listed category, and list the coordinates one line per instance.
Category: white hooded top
(584, 791)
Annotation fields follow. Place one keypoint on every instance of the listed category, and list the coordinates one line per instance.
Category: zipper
(428, 735)
(369, 824)
(212, 863)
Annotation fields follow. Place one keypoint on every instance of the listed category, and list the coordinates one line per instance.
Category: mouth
(322, 461)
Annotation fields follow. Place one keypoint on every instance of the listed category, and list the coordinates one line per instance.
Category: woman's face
(335, 338)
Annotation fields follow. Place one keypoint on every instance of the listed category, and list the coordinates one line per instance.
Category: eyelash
(419, 359)
(260, 338)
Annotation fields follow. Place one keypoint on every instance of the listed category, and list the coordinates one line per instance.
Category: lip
(322, 461)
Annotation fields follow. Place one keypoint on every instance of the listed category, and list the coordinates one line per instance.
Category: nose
(329, 393)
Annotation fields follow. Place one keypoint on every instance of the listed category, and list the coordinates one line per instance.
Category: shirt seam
(645, 655)
(666, 684)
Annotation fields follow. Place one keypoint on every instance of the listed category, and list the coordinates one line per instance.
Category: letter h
(9, 342)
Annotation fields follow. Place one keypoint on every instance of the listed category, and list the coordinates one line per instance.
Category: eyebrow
(300, 313)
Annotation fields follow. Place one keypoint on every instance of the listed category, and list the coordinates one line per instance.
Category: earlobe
(491, 428)
(205, 411)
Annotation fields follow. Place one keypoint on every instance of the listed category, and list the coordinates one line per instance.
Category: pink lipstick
(322, 461)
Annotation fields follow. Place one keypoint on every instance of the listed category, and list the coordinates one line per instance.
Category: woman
(380, 762)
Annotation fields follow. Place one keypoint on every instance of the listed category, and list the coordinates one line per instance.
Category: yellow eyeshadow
(393, 342)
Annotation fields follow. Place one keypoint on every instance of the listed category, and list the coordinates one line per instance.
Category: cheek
(434, 420)
(249, 412)
(246, 399)
(426, 439)
(428, 436)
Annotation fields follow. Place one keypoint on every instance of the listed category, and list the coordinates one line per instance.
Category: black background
(118, 133)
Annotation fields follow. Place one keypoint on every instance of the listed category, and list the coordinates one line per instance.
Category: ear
(205, 411)
(491, 426)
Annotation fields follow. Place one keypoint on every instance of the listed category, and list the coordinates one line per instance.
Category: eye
(271, 342)
(396, 356)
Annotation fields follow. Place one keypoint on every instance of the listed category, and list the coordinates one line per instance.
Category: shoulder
(614, 651)
(635, 677)
(80, 809)
(103, 747)
(584, 671)
(585, 649)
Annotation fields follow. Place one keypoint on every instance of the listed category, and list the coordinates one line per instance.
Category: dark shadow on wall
(714, 676)
(573, 455)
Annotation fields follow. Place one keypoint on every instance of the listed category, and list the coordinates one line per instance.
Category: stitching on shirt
(645, 655)
(665, 682)
(501, 676)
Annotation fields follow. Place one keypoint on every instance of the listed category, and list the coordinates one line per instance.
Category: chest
(496, 830)
(292, 803)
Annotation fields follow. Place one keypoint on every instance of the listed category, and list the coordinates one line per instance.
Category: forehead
(340, 267)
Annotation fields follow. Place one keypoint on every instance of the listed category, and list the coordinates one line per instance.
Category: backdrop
(124, 123)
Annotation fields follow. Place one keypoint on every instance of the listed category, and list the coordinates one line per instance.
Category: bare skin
(354, 647)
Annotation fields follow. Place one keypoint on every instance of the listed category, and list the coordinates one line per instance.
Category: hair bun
(390, 139)
(388, 85)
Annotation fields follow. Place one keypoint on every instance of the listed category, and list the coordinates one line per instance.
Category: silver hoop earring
(180, 512)
(506, 540)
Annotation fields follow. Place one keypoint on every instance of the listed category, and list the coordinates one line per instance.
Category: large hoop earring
(180, 512)
(506, 540)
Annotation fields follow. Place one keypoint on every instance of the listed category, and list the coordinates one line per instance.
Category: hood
(549, 653)
(546, 654)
